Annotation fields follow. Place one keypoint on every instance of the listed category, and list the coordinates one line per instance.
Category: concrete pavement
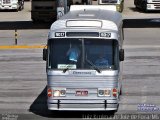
(23, 77)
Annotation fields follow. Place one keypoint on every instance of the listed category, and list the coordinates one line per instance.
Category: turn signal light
(49, 92)
(114, 92)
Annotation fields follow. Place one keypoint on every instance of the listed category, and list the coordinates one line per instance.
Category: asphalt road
(23, 79)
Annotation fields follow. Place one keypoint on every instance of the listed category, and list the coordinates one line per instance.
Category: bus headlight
(59, 93)
(104, 92)
(149, 6)
(63, 92)
(100, 92)
(118, 8)
(56, 92)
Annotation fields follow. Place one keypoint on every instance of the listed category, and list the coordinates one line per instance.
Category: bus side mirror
(45, 52)
(121, 55)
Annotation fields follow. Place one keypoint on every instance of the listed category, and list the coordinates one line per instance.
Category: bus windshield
(43, 0)
(76, 53)
(108, 1)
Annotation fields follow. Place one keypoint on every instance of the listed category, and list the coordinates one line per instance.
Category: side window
(58, 57)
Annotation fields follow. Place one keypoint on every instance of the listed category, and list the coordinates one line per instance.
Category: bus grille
(157, 6)
(85, 82)
(156, 0)
(6, 1)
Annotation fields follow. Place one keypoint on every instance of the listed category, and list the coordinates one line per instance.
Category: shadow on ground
(141, 23)
(134, 9)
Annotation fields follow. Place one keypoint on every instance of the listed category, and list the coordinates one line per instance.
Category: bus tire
(34, 21)
(144, 6)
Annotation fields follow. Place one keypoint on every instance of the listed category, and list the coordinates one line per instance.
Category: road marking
(143, 91)
(21, 46)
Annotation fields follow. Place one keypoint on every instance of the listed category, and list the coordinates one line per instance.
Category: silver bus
(83, 60)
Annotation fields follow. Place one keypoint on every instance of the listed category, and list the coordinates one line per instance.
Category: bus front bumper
(9, 7)
(83, 105)
(153, 6)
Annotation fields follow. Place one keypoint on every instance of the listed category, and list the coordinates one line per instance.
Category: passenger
(102, 60)
(73, 53)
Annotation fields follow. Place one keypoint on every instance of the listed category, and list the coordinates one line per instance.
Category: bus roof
(88, 17)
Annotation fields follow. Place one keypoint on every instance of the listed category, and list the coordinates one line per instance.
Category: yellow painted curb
(21, 46)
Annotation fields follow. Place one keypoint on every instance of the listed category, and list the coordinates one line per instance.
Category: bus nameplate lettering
(82, 73)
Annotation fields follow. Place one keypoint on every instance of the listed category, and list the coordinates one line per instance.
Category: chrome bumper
(153, 6)
(83, 105)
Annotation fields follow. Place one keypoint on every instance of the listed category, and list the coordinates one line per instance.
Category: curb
(21, 46)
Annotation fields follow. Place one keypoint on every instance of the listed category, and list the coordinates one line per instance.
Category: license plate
(81, 93)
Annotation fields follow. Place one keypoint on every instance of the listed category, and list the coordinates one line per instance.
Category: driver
(101, 61)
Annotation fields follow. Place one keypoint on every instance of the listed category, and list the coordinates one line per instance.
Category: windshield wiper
(95, 67)
(64, 70)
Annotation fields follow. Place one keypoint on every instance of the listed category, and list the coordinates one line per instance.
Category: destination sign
(105, 34)
(59, 34)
